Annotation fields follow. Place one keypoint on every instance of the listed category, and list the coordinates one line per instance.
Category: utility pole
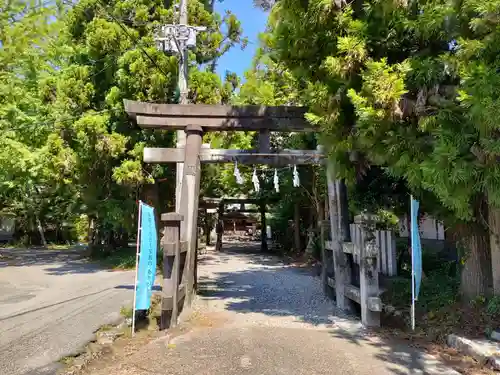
(177, 39)
(183, 99)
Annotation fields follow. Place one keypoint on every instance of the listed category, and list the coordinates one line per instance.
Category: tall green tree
(403, 86)
(35, 166)
(476, 66)
(113, 44)
(69, 146)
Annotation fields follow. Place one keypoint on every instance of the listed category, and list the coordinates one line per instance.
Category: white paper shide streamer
(255, 181)
(276, 181)
(296, 180)
(239, 179)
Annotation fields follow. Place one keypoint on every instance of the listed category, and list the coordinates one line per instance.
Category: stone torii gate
(195, 119)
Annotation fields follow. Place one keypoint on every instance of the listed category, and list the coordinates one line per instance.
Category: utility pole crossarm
(178, 38)
(175, 38)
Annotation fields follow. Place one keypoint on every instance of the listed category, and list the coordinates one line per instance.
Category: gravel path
(262, 289)
(258, 316)
(52, 302)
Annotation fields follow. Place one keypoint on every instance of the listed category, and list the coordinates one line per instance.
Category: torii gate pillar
(189, 201)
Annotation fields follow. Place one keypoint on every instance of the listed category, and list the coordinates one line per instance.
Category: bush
(159, 259)
(432, 260)
(440, 283)
(122, 258)
(81, 227)
(281, 231)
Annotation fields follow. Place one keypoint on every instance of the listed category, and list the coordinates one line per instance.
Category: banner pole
(412, 268)
(136, 265)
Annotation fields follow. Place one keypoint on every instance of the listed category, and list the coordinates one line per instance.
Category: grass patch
(68, 360)
(120, 259)
(105, 328)
(436, 312)
(50, 246)
(54, 246)
(126, 312)
(439, 310)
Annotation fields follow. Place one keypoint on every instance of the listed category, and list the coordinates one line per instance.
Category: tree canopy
(409, 87)
(68, 152)
(404, 93)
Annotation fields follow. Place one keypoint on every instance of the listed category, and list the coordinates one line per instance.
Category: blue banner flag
(146, 270)
(416, 248)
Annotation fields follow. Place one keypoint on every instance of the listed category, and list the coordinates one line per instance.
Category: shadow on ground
(269, 296)
(272, 288)
(250, 249)
(58, 262)
(156, 288)
(397, 353)
(269, 286)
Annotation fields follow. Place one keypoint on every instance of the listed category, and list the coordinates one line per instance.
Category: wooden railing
(374, 251)
(386, 244)
(175, 270)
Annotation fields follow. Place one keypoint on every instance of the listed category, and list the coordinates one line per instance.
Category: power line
(67, 119)
(114, 19)
(124, 29)
(32, 8)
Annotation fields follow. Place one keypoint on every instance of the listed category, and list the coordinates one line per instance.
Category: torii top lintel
(218, 117)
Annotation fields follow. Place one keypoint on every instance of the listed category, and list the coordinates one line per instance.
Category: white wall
(7, 225)
(430, 228)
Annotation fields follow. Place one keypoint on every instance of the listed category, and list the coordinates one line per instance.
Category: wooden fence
(386, 245)
(175, 270)
(373, 251)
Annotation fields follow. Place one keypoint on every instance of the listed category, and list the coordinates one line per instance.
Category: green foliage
(269, 82)
(119, 259)
(69, 154)
(387, 220)
(439, 288)
(126, 312)
(493, 306)
(81, 228)
(386, 84)
(408, 87)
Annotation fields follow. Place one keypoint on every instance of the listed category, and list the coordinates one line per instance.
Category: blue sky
(253, 22)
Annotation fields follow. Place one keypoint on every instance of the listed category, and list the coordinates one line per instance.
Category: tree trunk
(91, 236)
(296, 224)
(40, 231)
(311, 222)
(473, 242)
(476, 272)
(345, 228)
(207, 228)
(90, 230)
(327, 209)
(494, 230)
(316, 203)
(321, 212)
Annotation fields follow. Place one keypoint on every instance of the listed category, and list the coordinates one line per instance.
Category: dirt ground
(249, 300)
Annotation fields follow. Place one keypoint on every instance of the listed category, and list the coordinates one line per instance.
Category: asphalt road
(51, 303)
